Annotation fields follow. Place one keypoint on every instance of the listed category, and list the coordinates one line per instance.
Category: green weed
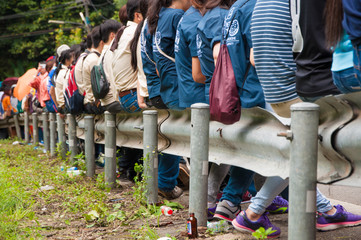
(261, 233)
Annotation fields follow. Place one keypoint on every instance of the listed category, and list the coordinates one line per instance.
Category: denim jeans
(346, 80)
(50, 106)
(216, 176)
(357, 61)
(238, 183)
(310, 99)
(168, 170)
(174, 105)
(274, 186)
(129, 102)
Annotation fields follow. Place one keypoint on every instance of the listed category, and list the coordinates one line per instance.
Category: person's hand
(142, 105)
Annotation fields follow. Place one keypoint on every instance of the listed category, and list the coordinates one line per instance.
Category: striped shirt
(271, 32)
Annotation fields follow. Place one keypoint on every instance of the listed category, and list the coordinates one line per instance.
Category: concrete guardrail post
(26, 127)
(17, 125)
(303, 171)
(61, 136)
(89, 146)
(110, 149)
(199, 162)
(72, 137)
(52, 120)
(150, 154)
(35, 129)
(46, 132)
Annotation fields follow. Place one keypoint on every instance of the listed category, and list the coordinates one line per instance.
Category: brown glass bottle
(192, 226)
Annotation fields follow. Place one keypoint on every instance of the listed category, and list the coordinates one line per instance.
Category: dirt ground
(53, 226)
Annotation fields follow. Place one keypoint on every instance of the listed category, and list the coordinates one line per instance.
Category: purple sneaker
(243, 224)
(339, 220)
(211, 212)
(278, 205)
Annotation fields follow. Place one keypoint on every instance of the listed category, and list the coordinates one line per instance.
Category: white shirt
(60, 85)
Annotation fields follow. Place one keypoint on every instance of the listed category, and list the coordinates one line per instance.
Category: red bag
(224, 100)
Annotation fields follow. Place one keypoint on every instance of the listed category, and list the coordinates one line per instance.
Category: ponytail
(117, 38)
(65, 55)
(333, 15)
(134, 45)
(153, 13)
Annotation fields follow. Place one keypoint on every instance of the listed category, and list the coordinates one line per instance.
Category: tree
(27, 37)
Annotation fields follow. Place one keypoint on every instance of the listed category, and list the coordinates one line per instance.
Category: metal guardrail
(259, 141)
(252, 142)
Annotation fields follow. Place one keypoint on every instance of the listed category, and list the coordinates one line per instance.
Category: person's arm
(251, 57)
(140, 99)
(53, 96)
(216, 48)
(196, 71)
(89, 63)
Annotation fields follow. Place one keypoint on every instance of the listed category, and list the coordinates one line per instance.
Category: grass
(75, 203)
(23, 171)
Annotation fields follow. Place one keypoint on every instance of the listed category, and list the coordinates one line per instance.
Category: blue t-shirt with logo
(165, 37)
(185, 48)
(153, 81)
(237, 31)
(209, 32)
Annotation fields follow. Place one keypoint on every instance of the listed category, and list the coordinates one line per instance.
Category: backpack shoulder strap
(143, 37)
(160, 50)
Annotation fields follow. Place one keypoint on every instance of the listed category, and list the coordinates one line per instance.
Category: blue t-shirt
(153, 81)
(165, 37)
(352, 19)
(185, 48)
(209, 32)
(237, 31)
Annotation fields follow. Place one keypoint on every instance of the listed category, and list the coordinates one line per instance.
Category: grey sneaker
(175, 193)
(226, 212)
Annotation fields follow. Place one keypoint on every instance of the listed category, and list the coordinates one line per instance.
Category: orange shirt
(7, 104)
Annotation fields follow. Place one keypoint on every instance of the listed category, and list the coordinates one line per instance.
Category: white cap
(61, 49)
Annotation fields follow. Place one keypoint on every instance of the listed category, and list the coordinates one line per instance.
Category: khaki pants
(283, 109)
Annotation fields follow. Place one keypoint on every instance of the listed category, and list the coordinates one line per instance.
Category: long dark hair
(143, 8)
(226, 4)
(153, 13)
(333, 15)
(65, 55)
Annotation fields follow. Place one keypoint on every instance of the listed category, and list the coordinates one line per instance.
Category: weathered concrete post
(17, 125)
(26, 127)
(199, 162)
(52, 119)
(35, 129)
(89, 146)
(110, 149)
(150, 154)
(72, 137)
(61, 135)
(46, 132)
(303, 171)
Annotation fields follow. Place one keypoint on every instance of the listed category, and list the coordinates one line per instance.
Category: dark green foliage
(26, 36)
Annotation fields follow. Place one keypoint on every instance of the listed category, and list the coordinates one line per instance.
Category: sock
(211, 205)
